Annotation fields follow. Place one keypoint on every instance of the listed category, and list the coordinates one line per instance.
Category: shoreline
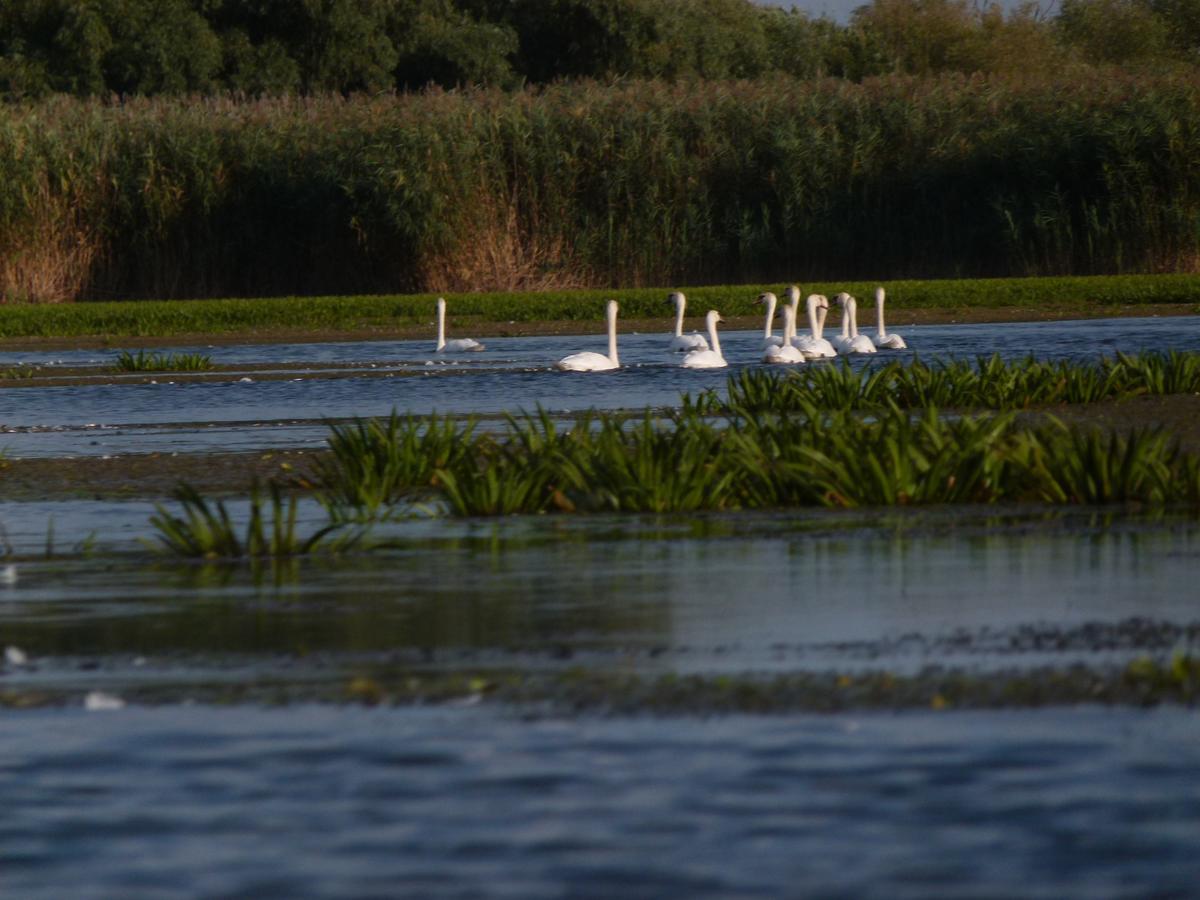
(899, 318)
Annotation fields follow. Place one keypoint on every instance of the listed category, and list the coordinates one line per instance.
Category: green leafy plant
(205, 530)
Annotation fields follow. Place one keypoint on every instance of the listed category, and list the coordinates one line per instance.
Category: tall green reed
(585, 184)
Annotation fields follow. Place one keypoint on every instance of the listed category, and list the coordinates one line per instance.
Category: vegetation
(162, 362)
(803, 457)
(986, 383)
(275, 47)
(207, 531)
(588, 185)
(1081, 295)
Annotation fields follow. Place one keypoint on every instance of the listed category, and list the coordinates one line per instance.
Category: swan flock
(703, 351)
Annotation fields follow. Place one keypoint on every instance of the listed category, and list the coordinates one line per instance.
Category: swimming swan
(708, 359)
(769, 340)
(459, 345)
(813, 345)
(882, 339)
(785, 353)
(680, 341)
(850, 341)
(589, 361)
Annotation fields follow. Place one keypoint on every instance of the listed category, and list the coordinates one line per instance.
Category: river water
(154, 762)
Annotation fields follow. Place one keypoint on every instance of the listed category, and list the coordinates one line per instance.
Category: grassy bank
(1079, 296)
(586, 185)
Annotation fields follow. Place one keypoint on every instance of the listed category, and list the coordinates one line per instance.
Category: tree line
(286, 47)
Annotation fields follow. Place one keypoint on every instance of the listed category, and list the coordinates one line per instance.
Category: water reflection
(743, 593)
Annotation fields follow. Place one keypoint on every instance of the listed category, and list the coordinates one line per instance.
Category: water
(159, 767)
(512, 374)
(334, 802)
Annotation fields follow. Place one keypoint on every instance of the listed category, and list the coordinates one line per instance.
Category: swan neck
(679, 319)
(789, 325)
(813, 327)
(770, 317)
(879, 317)
(712, 334)
(612, 337)
(852, 309)
(441, 319)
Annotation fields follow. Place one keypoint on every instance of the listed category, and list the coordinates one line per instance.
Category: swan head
(842, 299)
(712, 317)
(816, 301)
(879, 295)
(441, 304)
(793, 293)
(610, 309)
(676, 298)
(767, 298)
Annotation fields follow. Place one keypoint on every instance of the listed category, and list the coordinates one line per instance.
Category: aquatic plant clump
(807, 456)
(207, 531)
(986, 383)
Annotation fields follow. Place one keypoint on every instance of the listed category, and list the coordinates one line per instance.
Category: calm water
(171, 795)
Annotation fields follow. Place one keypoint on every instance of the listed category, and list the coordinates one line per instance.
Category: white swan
(850, 341)
(769, 340)
(785, 354)
(680, 341)
(590, 361)
(882, 339)
(813, 345)
(459, 345)
(708, 359)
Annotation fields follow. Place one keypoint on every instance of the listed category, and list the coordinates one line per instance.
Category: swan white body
(708, 359)
(883, 340)
(459, 345)
(813, 345)
(681, 342)
(850, 341)
(785, 353)
(589, 360)
(769, 340)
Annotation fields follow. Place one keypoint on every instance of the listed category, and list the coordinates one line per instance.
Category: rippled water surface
(332, 802)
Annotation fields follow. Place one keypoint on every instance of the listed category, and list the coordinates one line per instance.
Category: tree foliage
(278, 47)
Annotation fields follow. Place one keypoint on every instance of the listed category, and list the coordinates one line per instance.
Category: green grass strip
(165, 318)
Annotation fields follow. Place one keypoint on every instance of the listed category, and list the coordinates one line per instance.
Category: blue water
(512, 374)
(334, 802)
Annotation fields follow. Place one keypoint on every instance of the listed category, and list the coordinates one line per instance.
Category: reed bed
(586, 185)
